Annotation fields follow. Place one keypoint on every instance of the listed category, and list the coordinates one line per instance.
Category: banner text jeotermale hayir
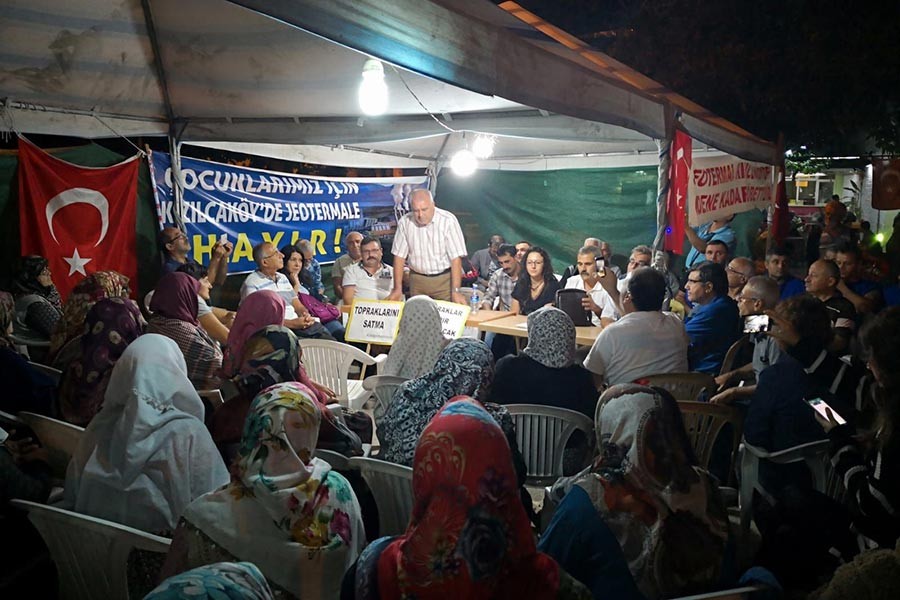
(250, 206)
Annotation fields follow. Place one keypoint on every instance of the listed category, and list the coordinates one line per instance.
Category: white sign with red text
(725, 185)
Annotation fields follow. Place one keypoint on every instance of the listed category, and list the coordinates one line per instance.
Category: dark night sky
(826, 73)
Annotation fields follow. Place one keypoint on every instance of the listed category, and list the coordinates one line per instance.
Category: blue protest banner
(250, 206)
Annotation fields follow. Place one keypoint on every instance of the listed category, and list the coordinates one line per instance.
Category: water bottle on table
(475, 301)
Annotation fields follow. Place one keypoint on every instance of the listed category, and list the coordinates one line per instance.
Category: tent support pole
(664, 148)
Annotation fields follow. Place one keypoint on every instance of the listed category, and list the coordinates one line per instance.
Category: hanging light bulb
(483, 146)
(373, 92)
(464, 163)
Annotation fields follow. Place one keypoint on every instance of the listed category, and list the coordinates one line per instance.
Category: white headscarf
(147, 454)
(419, 340)
(551, 338)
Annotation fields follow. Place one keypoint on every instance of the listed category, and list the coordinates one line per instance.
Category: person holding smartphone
(870, 471)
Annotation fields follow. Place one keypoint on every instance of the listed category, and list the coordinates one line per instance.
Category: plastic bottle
(475, 301)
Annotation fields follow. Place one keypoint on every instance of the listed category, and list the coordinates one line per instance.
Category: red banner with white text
(679, 170)
(81, 219)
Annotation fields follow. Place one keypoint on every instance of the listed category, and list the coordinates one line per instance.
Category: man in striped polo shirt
(431, 241)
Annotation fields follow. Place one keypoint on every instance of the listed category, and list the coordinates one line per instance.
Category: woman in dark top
(38, 305)
(545, 372)
(539, 288)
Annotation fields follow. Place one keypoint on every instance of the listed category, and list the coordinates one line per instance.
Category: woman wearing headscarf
(644, 503)
(468, 536)
(269, 356)
(24, 387)
(38, 305)
(284, 510)
(464, 367)
(88, 291)
(419, 339)
(112, 324)
(174, 308)
(146, 455)
(258, 310)
(219, 581)
(545, 372)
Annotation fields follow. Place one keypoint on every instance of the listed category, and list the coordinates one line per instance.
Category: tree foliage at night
(826, 73)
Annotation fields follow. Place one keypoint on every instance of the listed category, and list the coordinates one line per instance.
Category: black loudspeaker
(569, 301)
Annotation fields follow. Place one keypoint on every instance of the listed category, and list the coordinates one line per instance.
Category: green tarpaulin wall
(558, 209)
(90, 155)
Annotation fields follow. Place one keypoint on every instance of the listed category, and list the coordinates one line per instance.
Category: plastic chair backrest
(703, 422)
(391, 484)
(732, 354)
(542, 433)
(569, 301)
(683, 386)
(90, 554)
(212, 400)
(328, 363)
(383, 388)
(741, 593)
(59, 437)
(338, 461)
(814, 454)
(54, 374)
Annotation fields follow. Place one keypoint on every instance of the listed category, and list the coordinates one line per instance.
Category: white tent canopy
(284, 74)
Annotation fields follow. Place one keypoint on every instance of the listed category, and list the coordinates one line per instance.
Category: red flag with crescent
(81, 219)
(676, 201)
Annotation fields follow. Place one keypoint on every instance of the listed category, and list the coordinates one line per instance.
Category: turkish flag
(886, 184)
(81, 219)
(781, 217)
(676, 207)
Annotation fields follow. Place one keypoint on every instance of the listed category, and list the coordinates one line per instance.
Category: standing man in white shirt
(588, 279)
(430, 240)
(369, 279)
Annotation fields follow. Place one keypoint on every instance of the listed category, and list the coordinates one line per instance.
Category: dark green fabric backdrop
(90, 155)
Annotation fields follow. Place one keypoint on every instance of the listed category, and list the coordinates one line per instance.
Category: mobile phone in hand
(756, 324)
(820, 407)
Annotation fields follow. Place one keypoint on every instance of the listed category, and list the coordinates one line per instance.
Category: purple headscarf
(175, 297)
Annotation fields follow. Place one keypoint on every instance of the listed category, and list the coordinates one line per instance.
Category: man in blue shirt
(720, 229)
(778, 267)
(174, 245)
(714, 324)
(865, 295)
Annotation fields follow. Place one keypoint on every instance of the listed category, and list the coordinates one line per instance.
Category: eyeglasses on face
(534, 263)
(277, 252)
(176, 238)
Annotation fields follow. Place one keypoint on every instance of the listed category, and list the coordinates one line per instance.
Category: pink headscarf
(259, 309)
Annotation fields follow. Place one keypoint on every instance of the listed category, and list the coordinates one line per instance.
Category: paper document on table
(521, 325)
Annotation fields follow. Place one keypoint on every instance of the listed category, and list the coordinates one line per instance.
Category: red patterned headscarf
(469, 536)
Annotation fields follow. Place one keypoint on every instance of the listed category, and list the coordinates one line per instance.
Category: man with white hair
(430, 241)
(604, 252)
(352, 243)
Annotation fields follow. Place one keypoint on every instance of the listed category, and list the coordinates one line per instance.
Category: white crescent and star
(79, 196)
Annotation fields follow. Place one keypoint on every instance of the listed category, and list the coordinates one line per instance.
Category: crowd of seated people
(239, 488)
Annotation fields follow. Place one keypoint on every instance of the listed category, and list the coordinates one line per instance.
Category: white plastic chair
(542, 433)
(54, 374)
(814, 454)
(90, 554)
(338, 461)
(741, 593)
(391, 484)
(59, 437)
(328, 363)
(383, 388)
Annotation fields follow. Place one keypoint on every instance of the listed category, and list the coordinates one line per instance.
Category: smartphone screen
(820, 405)
(223, 239)
(3, 435)
(756, 323)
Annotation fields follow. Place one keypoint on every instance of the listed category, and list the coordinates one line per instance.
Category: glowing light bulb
(483, 147)
(464, 163)
(879, 237)
(373, 91)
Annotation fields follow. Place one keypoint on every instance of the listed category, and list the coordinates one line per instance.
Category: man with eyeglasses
(369, 279)
(739, 272)
(267, 276)
(758, 295)
(714, 324)
(175, 246)
(430, 241)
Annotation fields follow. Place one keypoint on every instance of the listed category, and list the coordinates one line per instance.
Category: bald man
(174, 245)
(430, 241)
(822, 281)
(739, 271)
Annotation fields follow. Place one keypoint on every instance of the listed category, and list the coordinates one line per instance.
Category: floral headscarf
(7, 316)
(468, 536)
(551, 338)
(301, 515)
(663, 509)
(464, 367)
(419, 339)
(26, 281)
(112, 324)
(94, 287)
(218, 581)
